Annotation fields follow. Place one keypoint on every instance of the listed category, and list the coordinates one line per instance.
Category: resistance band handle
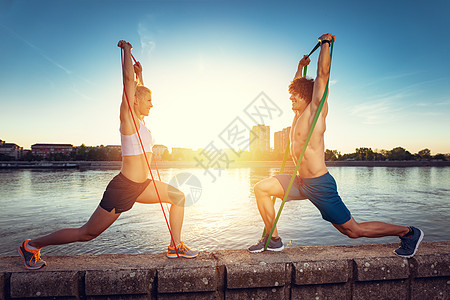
(313, 50)
(305, 68)
(297, 167)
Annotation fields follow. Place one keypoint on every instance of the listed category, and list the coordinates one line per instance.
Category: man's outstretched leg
(410, 237)
(263, 192)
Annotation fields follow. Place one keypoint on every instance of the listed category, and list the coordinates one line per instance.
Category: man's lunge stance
(313, 181)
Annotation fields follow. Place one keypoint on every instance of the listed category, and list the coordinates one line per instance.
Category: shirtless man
(313, 181)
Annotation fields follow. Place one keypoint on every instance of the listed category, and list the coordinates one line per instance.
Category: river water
(224, 215)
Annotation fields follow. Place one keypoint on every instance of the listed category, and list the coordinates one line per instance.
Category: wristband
(325, 41)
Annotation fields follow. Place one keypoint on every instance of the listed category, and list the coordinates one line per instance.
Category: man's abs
(313, 162)
(312, 166)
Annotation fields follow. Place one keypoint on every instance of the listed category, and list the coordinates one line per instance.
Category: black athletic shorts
(121, 193)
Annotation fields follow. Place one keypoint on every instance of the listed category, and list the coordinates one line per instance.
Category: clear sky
(205, 61)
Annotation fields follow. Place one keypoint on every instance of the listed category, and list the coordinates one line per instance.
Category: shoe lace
(263, 240)
(183, 247)
(36, 256)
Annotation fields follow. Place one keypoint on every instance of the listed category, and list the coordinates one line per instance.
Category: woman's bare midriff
(135, 167)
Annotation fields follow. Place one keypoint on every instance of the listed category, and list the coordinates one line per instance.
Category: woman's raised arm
(128, 80)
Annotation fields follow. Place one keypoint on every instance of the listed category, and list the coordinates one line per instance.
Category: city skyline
(207, 61)
(280, 139)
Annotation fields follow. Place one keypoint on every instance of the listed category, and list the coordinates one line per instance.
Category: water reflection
(226, 216)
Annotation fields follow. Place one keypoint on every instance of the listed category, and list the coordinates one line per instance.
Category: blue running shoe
(273, 245)
(409, 245)
(31, 257)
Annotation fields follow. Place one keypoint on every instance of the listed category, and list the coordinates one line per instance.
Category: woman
(130, 185)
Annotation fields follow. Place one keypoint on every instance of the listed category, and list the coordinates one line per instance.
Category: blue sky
(205, 61)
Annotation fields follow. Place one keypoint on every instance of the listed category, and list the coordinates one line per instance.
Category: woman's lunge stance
(130, 185)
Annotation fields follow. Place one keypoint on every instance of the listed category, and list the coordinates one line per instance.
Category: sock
(275, 239)
(410, 233)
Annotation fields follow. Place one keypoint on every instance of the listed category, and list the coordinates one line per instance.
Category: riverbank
(319, 272)
(115, 165)
(38, 165)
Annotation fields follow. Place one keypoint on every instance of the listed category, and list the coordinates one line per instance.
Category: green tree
(440, 156)
(97, 153)
(379, 154)
(399, 153)
(364, 154)
(58, 157)
(113, 154)
(332, 155)
(28, 156)
(81, 152)
(348, 156)
(424, 154)
(165, 155)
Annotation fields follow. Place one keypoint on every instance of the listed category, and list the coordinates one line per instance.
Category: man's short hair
(303, 87)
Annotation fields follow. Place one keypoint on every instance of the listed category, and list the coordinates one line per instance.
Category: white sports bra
(131, 144)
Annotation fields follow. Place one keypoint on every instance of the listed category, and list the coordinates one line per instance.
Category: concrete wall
(328, 272)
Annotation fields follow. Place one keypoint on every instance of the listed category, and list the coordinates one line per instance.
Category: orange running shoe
(31, 257)
(183, 251)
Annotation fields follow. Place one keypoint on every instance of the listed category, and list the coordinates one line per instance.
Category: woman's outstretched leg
(99, 222)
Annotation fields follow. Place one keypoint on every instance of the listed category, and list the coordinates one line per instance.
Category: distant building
(45, 150)
(158, 151)
(11, 150)
(182, 154)
(281, 139)
(117, 147)
(260, 139)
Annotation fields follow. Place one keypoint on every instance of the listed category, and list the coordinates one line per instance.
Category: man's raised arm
(323, 71)
(303, 63)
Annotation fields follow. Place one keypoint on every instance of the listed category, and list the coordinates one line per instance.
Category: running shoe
(183, 251)
(31, 257)
(408, 245)
(273, 245)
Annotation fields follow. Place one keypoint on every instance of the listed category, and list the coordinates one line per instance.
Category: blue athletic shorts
(322, 192)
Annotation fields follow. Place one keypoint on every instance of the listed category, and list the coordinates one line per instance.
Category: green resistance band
(316, 117)
(286, 153)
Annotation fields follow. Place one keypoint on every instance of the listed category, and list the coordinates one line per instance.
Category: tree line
(81, 153)
(102, 153)
(398, 153)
